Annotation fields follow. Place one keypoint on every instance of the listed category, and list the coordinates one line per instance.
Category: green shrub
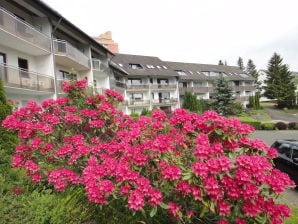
(268, 126)
(292, 125)
(281, 125)
(135, 115)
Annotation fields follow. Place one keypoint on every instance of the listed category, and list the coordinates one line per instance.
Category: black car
(287, 159)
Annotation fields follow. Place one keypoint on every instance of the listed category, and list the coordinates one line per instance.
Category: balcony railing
(163, 86)
(138, 102)
(138, 87)
(15, 26)
(116, 83)
(165, 101)
(203, 89)
(19, 78)
(62, 47)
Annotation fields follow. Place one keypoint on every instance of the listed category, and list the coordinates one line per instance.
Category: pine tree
(252, 71)
(220, 62)
(223, 95)
(240, 64)
(190, 102)
(279, 83)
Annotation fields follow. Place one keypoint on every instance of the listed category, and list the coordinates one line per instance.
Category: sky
(195, 31)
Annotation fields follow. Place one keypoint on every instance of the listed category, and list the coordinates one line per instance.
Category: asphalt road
(279, 115)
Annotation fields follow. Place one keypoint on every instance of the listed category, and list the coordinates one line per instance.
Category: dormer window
(181, 72)
(150, 66)
(136, 66)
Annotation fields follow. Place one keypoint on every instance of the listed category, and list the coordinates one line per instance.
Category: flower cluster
(189, 164)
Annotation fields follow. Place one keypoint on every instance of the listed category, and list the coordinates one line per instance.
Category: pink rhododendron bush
(188, 167)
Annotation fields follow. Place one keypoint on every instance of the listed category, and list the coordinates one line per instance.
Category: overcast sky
(198, 31)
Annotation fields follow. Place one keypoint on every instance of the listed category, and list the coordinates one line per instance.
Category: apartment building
(147, 83)
(199, 79)
(39, 48)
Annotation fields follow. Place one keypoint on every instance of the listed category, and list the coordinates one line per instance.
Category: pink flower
(136, 200)
(171, 173)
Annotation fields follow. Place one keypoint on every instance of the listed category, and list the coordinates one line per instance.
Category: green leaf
(164, 206)
(203, 212)
(153, 211)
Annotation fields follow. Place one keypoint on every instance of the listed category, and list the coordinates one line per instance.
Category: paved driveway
(280, 115)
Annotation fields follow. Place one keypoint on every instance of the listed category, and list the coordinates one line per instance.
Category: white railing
(20, 78)
(15, 26)
(62, 47)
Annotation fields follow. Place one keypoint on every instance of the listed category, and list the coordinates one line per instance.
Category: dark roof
(150, 66)
(195, 71)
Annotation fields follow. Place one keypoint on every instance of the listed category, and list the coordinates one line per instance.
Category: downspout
(53, 53)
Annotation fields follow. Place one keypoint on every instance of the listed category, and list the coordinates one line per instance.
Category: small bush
(135, 116)
(281, 125)
(268, 126)
(292, 125)
(248, 120)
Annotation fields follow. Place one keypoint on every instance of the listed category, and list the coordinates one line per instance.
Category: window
(181, 72)
(150, 66)
(136, 66)
(165, 67)
(3, 72)
(121, 65)
(198, 84)
(136, 96)
(157, 66)
(163, 95)
(23, 66)
(205, 73)
(182, 84)
(163, 81)
(95, 83)
(134, 81)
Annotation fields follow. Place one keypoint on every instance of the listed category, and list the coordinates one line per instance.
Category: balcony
(165, 101)
(117, 84)
(163, 87)
(17, 34)
(244, 88)
(202, 89)
(15, 78)
(137, 87)
(69, 56)
(138, 103)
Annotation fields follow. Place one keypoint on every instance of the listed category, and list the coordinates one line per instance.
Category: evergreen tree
(190, 102)
(240, 64)
(279, 83)
(223, 95)
(220, 62)
(252, 71)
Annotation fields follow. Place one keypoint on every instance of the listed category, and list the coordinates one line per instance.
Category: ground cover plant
(187, 169)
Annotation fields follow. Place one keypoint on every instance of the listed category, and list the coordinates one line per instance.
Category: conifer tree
(240, 64)
(279, 83)
(190, 102)
(252, 71)
(220, 62)
(223, 95)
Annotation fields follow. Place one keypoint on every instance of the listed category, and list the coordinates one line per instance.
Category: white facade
(37, 51)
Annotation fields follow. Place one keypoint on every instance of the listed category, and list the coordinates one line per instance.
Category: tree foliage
(252, 71)
(240, 64)
(190, 102)
(220, 62)
(223, 95)
(279, 83)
